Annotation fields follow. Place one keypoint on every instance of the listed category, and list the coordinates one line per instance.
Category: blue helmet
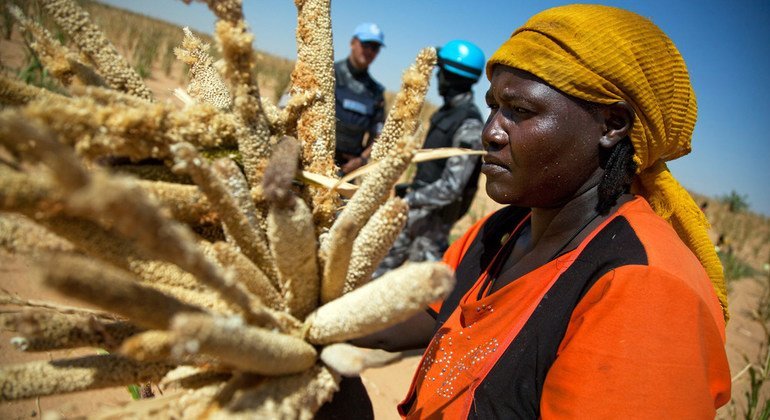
(463, 58)
(369, 32)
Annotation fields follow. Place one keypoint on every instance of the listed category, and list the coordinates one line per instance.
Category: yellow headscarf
(604, 55)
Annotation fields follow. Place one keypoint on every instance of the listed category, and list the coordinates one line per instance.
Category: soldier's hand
(353, 164)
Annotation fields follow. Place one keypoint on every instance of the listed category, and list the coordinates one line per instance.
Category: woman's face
(542, 145)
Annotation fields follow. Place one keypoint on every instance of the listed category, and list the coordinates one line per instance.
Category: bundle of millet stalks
(238, 287)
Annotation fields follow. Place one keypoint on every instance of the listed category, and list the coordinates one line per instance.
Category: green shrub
(736, 202)
(734, 267)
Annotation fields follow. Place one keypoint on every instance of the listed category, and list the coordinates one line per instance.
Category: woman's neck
(551, 232)
(553, 224)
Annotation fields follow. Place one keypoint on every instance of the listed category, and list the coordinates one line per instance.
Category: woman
(596, 293)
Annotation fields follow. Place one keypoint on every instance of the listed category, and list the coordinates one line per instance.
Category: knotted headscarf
(604, 55)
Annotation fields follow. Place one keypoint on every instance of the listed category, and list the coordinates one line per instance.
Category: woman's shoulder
(645, 255)
(662, 246)
(637, 237)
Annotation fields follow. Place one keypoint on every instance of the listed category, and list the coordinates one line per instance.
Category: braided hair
(618, 163)
(619, 171)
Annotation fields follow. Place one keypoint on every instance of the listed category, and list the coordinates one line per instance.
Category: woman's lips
(492, 166)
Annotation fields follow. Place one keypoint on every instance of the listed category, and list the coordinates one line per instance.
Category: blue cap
(369, 32)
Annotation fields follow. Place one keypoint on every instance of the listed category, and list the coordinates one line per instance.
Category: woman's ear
(618, 119)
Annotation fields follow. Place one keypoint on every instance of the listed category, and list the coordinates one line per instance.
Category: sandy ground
(745, 338)
(16, 277)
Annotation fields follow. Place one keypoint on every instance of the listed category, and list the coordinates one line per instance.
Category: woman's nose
(493, 137)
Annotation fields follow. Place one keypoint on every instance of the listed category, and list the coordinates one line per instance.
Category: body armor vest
(356, 105)
(443, 125)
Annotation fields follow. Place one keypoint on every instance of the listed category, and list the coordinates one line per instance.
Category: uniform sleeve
(456, 174)
(642, 343)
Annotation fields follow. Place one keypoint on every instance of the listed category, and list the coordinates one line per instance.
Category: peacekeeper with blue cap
(442, 190)
(359, 99)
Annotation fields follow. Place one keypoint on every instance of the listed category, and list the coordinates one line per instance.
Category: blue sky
(726, 45)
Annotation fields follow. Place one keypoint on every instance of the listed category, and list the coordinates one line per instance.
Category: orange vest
(645, 340)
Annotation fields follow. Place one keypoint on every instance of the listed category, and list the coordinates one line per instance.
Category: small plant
(734, 267)
(7, 23)
(758, 375)
(135, 392)
(168, 59)
(34, 73)
(736, 202)
(145, 52)
(757, 401)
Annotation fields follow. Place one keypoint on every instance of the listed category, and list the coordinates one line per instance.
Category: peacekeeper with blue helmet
(359, 99)
(442, 190)
(439, 194)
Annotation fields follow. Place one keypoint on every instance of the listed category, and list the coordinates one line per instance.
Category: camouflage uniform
(435, 205)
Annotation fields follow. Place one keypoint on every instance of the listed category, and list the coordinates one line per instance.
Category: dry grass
(148, 44)
(746, 233)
